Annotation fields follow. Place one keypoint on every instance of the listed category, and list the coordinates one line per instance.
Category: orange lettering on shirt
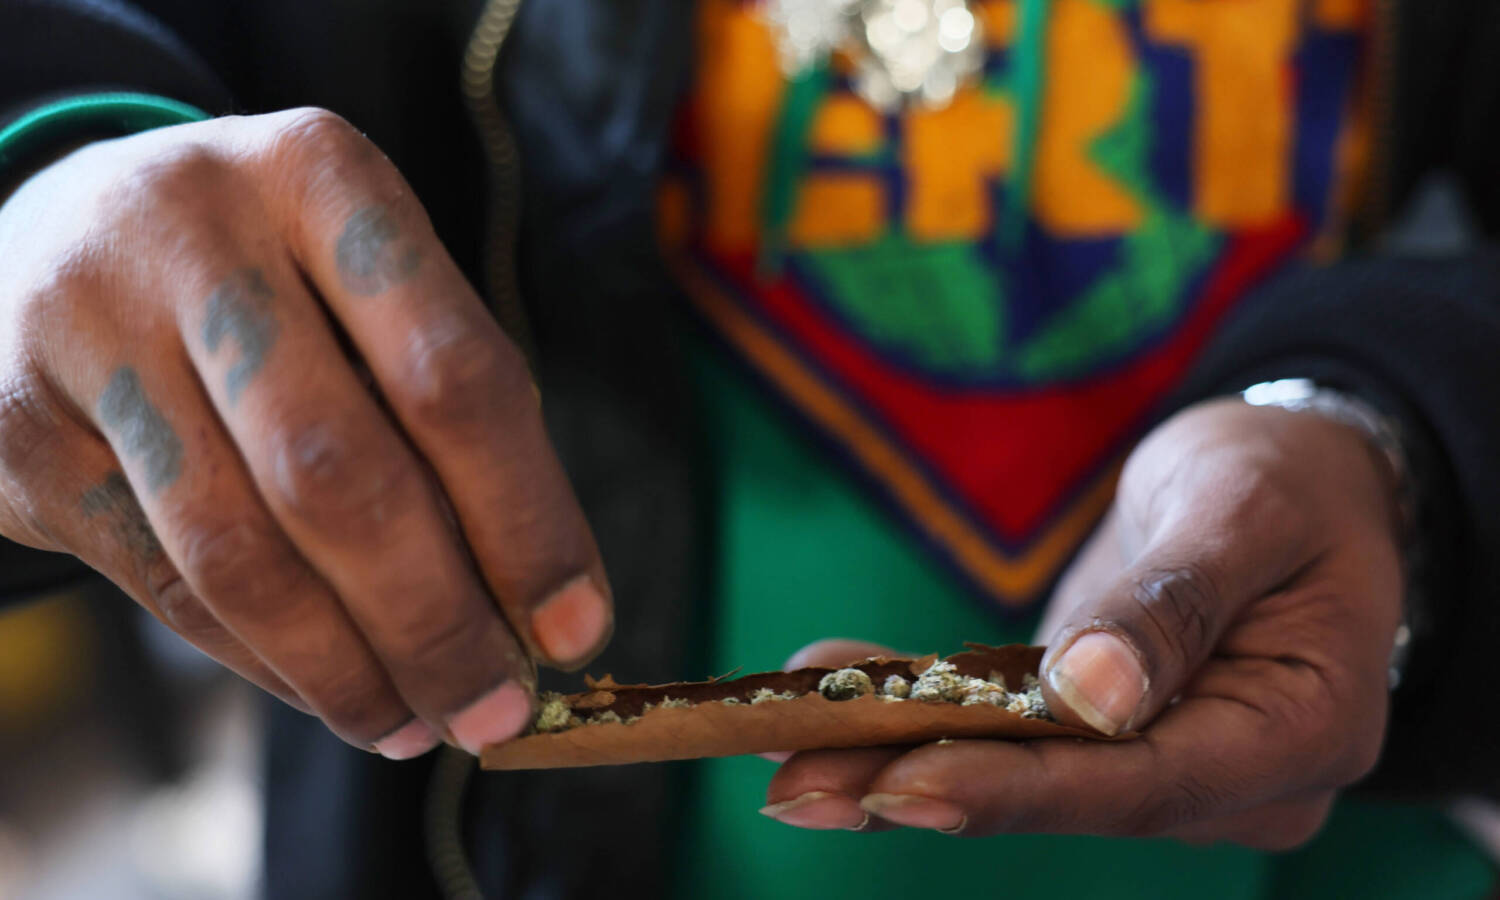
(1244, 118)
(838, 209)
(738, 95)
(1089, 71)
(998, 21)
(949, 154)
(847, 126)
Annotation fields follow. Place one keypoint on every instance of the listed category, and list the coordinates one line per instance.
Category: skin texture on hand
(382, 535)
(1237, 607)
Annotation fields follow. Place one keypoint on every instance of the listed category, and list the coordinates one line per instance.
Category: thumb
(1125, 650)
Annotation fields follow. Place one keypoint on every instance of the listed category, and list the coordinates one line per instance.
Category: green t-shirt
(803, 553)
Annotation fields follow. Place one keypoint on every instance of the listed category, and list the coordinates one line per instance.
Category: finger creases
(462, 394)
(1241, 738)
(95, 514)
(232, 579)
(339, 480)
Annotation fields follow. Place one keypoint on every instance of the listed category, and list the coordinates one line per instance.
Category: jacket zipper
(502, 215)
(448, 783)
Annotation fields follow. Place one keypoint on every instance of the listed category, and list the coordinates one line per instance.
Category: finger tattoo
(241, 309)
(144, 432)
(372, 255)
(114, 498)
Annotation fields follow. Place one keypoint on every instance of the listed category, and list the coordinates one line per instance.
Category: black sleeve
(1420, 339)
(1445, 108)
(55, 48)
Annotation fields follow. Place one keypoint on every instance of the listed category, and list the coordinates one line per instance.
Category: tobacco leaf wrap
(808, 721)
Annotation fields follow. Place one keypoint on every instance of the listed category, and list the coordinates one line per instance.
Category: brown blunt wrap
(806, 722)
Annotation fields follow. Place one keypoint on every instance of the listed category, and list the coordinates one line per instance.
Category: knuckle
(315, 154)
(28, 425)
(249, 575)
(1266, 502)
(49, 299)
(453, 377)
(177, 175)
(428, 640)
(313, 133)
(325, 476)
(1358, 755)
(1361, 760)
(1188, 799)
(1295, 828)
(185, 613)
(236, 565)
(354, 702)
(1178, 602)
(1333, 736)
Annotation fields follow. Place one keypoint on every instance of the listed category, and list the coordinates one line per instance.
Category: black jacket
(589, 86)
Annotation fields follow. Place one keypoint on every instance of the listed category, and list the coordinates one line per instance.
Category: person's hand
(1237, 607)
(187, 318)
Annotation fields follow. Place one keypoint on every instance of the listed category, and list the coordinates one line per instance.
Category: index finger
(459, 388)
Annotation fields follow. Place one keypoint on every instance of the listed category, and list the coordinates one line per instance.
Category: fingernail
(819, 810)
(916, 812)
(572, 623)
(497, 716)
(1100, 678)
(408, 742)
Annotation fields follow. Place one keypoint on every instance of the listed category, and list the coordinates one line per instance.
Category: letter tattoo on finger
(114, 498)
(144, 432)
(240, 308)
(372, 255)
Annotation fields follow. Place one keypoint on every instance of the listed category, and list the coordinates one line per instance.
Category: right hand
(178, 410)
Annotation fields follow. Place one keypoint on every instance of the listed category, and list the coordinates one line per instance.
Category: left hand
(1237, 607)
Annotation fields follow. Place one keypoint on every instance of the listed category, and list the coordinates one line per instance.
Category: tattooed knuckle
(325, 476)
(139, 428)
(239, 310)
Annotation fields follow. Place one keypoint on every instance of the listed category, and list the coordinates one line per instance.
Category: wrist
(1383, 436)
